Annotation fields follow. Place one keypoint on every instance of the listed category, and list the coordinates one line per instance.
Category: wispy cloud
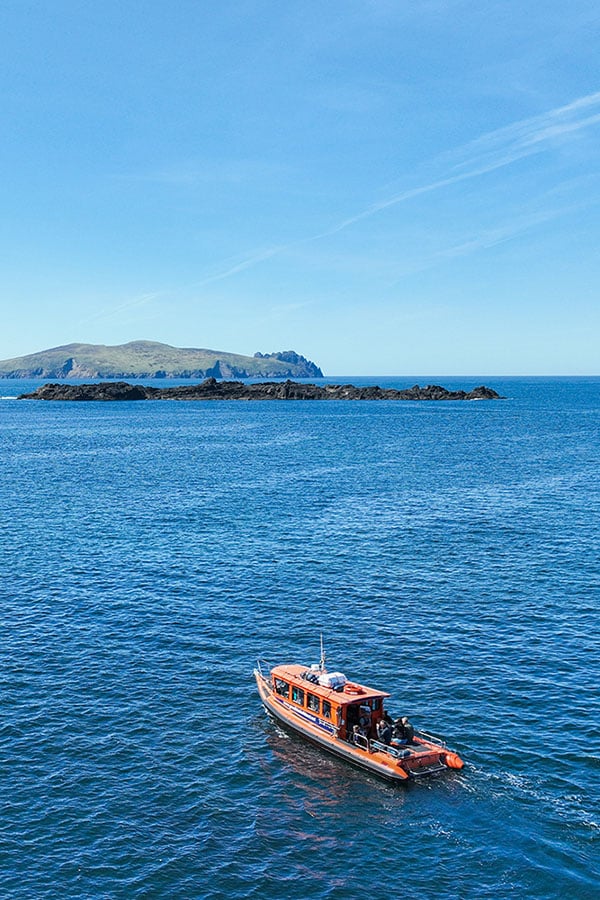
(495, 150)
(108, 312)
(283, 310)
(248, 262)
(490, 152)
(487, 238)
(534, 135)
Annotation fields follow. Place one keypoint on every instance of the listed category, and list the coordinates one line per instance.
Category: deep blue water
(448, 552)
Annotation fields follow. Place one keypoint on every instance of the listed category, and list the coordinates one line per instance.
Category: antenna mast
(322, 663)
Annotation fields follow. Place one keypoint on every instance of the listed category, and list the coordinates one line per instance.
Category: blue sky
(386, 187)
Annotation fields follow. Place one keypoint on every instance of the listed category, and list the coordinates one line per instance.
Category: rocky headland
(149, 359)
(211, 389)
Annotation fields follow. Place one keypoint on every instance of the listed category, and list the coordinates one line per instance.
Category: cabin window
(327, 709)
(376, 703)
(282, 687)
(312, 702)
(298, 695)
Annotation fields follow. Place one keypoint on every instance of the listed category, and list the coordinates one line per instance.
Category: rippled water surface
(449, 552)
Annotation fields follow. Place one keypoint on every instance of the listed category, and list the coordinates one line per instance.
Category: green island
(150, 359)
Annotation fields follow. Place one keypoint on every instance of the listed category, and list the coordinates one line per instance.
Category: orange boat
(350, 720)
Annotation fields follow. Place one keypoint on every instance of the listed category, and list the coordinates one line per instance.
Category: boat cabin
(347, 710)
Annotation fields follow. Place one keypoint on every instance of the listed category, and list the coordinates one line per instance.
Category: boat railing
(260, 662)
(396, 752)
(432, 738)
(427, 770)
(363, 742)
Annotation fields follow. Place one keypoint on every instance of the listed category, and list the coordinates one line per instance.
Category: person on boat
(384, 731)
(403, 730)
(364, 720)
(357, 734)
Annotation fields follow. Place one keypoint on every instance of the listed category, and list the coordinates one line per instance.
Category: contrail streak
(491, 151)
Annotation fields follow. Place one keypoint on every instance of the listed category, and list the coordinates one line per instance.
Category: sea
(447, 552)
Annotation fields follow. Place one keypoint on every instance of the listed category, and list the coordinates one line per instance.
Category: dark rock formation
(110, 390)
(211, 389)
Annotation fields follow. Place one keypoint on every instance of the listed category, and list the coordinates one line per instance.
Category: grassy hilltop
(148, 359)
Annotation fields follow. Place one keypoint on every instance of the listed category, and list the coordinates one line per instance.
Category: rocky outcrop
(111, 390)
(211, 389)
(295, 359)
